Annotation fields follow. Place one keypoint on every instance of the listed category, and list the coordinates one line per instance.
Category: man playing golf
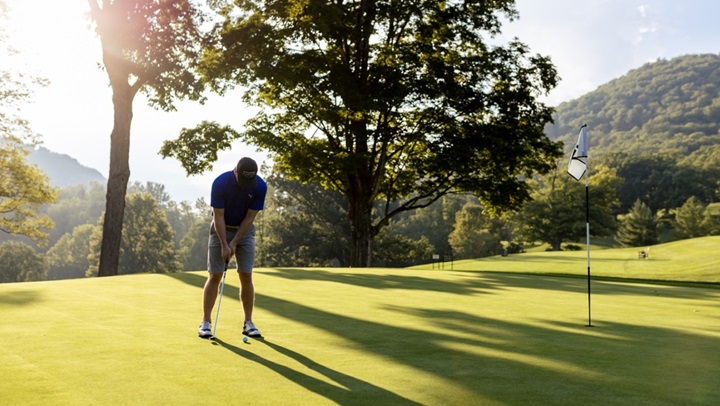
(236, 198)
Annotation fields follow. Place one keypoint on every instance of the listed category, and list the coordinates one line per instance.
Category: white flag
(578, 161)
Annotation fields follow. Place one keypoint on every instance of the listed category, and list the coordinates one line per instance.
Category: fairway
(361, 336)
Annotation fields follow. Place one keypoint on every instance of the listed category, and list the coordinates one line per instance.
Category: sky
(589, 41)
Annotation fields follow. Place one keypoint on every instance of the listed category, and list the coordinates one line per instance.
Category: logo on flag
(578, 160)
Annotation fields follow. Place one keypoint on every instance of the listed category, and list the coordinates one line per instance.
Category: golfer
(236, 198)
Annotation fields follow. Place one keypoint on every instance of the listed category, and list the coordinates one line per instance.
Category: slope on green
(360, 336)
(692, 260)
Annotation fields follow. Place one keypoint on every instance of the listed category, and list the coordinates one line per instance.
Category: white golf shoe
(205, 330)
(250, 330)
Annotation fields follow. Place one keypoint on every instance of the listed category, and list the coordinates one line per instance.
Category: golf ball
(245, 339)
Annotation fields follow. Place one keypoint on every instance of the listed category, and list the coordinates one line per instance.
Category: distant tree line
(303, 224)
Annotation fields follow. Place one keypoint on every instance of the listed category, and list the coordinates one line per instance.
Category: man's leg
(210, 292)
(216, 266)
(247, 294)
(245, 255)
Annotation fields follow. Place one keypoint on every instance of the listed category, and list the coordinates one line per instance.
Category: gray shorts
(244, 253)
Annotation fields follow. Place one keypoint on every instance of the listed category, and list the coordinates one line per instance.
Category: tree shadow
(386, 281)
(643, 365)
(19, 297)
(495, 359)
(348, 388)
(620, 286)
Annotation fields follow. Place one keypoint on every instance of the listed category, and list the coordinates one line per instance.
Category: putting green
(361, 336)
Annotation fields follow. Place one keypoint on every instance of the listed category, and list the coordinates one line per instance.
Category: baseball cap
(246, 173)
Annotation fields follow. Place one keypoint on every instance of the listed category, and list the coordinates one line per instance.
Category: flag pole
(587, 238)
(578, 167)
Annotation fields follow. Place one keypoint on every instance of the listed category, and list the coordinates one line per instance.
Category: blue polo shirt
(226, 194)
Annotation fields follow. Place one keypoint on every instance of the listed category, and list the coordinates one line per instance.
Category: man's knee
(245, 277)
(214, 278)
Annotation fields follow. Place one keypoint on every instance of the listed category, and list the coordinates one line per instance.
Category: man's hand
(227, 251)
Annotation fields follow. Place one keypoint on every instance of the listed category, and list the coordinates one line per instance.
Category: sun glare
(51, 35)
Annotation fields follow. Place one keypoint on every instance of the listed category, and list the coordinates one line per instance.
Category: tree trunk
(360, 226)
(556, 245)
(117, 181)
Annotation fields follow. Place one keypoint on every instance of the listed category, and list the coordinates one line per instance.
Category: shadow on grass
(347, 388)
(19, 297)
(578, 283)
(387, 281)
(485, 282)
(504, 361)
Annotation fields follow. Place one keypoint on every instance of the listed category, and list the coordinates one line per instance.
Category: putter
(217, 314)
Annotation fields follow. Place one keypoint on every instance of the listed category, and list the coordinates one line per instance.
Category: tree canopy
(401, 102)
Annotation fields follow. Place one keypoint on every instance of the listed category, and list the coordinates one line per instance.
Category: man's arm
(219, 224)
(244, 227)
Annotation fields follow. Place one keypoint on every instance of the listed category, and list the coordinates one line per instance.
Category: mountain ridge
(63, 170)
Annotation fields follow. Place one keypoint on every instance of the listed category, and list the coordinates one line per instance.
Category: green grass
(694, 260)
(368, 336)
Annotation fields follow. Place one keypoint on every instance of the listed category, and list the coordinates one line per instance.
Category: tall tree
(473, 236)
(692, 219)
(638, 227)
(149, 46)
(401, 101)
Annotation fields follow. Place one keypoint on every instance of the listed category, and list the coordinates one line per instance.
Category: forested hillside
(669, 106)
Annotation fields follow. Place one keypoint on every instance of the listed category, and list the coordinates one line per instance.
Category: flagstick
(576, 168)
(587, 237)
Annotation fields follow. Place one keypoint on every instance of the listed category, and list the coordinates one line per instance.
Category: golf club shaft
(222, 287)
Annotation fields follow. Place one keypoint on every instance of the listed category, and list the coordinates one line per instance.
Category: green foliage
(151, 45)
(23, 188)
(398, 102)
(473, 236)
(197, 148)
(194, 246)
(147, 239)
(557, 212)
(20, 263)
(76, 205)
(693, 219)
(434, 222)
(397, 250)
(664, 106)
(638, 228)
(302, 225)
(180, 215)
(660, 181)
(69, 257)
